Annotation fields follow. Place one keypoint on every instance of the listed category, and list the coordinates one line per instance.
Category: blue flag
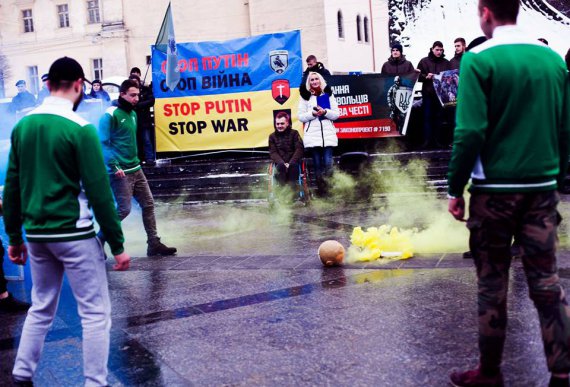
(166, 43)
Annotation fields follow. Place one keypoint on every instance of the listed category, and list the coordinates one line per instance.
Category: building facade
(108, 37)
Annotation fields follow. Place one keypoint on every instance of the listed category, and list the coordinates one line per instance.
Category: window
(358, 31)
(366, 38)
(340, 24)
(33, 79)
(63, 13)
(93, 12)
(28, 21)
(98, 68)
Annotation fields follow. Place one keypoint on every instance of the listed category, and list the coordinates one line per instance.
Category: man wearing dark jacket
(312, 66)
(397, 63)
(459, 51)
(145, 129)
(24, 100)
(429, 66)
(285, 149)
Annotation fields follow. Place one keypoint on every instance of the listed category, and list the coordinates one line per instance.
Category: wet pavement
(247, 302)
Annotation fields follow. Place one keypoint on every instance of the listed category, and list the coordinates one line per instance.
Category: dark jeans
(148, 146)
(287, 175)
(532, 219)
(135, 185)
(3, 282)
(322, 161)
(432, 121)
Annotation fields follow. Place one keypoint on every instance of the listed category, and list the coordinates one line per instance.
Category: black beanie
(399, 47)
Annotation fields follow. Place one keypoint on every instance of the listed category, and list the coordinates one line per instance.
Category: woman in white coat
(318, 113)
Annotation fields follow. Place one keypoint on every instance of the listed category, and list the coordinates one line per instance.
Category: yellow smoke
(376, 242)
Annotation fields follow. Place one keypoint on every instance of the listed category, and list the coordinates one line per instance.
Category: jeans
(322, 161)
(285, 175)
(532, 219)
(135, 185)
(83, 263)
(148, 146)
(432, 120)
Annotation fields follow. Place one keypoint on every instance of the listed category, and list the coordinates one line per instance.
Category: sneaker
(467, 255)
(159, 249)
(12, 305)
(474, 378)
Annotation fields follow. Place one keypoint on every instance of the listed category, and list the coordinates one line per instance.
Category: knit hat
(398, 47)
(96, 81)
(21, 82)
(65, 69)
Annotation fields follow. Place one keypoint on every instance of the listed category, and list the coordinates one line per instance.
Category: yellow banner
(226, 121)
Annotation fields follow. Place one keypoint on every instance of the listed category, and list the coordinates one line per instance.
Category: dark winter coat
(142, 108)
(455, 61)
(434, 65)
(397, 66)
(286, 146)
(22, 100)
(318, 68)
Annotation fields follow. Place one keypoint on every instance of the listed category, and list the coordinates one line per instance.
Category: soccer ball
(331, 253)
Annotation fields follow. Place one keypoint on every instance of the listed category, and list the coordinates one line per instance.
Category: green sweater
(513, 117)
(118, 134)
(55, 176)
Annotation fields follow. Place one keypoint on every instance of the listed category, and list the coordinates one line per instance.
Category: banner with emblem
(373, 105)
(229, 92)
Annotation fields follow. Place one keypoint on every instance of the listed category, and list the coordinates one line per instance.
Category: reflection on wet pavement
(247, 302)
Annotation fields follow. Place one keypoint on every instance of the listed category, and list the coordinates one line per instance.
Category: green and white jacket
(55, 177)
(513, 117)
(118, 134)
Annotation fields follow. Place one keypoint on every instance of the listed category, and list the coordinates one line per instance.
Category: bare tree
(4, 73)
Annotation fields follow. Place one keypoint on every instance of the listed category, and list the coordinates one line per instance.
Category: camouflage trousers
(532, 219)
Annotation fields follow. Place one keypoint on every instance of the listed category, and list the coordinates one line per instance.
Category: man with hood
(430, 66)
(285, 149)
(397, 63)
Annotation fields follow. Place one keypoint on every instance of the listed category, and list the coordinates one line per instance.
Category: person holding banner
(318, 113)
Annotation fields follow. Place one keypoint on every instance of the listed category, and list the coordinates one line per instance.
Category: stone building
(108, 37)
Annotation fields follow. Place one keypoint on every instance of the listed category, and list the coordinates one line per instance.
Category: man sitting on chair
(285, 149)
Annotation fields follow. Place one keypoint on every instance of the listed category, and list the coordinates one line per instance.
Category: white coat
(317, 132)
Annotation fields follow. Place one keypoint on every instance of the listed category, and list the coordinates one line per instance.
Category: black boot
(12, 305)
(157, 248)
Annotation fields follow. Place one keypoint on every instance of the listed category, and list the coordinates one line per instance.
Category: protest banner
(445, 85)
(373, 105)
(228, 93)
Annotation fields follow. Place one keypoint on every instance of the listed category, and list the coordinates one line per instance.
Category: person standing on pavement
(430, 66)
(55, 178)
(397, 63)
(460, 46)
(145, 121)
(515, 148)
(318, 113)
(117, 132)
(24, 101)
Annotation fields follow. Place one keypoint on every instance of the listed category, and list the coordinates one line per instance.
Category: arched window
(358, 30)
(366, 39)
(340, 23)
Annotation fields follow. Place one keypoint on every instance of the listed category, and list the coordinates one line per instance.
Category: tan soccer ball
(331, 253)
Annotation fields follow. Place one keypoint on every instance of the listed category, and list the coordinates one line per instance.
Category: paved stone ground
(247, 302)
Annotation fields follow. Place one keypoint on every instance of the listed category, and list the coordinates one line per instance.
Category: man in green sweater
(118, 134)
(512, 139)
(55, 178)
